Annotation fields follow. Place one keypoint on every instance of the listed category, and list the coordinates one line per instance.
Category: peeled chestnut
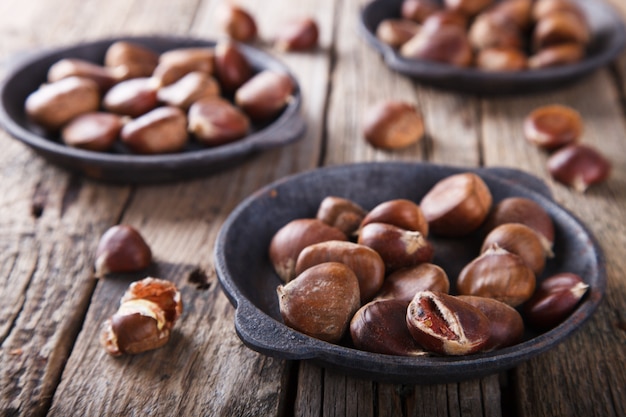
(393, 124)
(342, 213)
(553, 126)
(444, 324)
(159, 291)
(161, 130)
(501, 59)
(122, 249)
(399, 212)
(579, 166)
(520, 240)
(555, 298)
(54, 104)
(321, 301)
(94, 131)
(69, 67)
(398, 247)
(505, 323)
(292, 238)
(500, 274)
(380, 327)
(190, 88)
(130, 60)
(265, 95)
(299, 34)
(396, 32)
(365, 262)
(557, 55)
(237, 22)
(525, 211)
(133, 97)
(418, 10)
(176, 63)
(447, 44)
(457, 205)
(231, 66)
(215, 121)
(404, 283)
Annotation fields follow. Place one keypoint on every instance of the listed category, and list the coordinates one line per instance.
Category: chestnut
(365, 262)
(490, 30)
(525, 211)
(558, 28)
(457, 205)
(404, 283)
(500, 274)
(237, 22)
(130, 60)
(393, 124)
(122, 249)
(298, 34)
(444, 18)
(579, 166)
(400, 212)
(556, 297)
(467, 7)
(265, 95)
(232, 68)
(215, 121)
(94, 131)
(190, 88)
(520, 240)
(321, 301)
(176, 63)
(446, 325)
(396, 32)
(418, 10)
(159, 291)
(447, 44)
(133, 97)
(161, 130)
(506, 326)
(292, 238)
(380, 327)
(53, 105)
(519, 12)
(553, 126)
(557, 55)
(501, 59)
(342, 213)
(398, 247)
(543, 8)
(68, 67)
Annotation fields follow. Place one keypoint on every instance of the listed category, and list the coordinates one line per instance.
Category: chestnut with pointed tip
(448, 44)
(380, 327)
(161, 130)
(130, 60)
(122, 249)
(557, 55)
(298, 34)
(94, 131)
(68, 67)
(265, 95)
(579, 166)
(232, 68)
(321, 301)
(559, 28)
(215, 121)
(418, 10)
(404, 283)
(189, 89)
(237, 22)
(400, 212)
(342, 213)
(396, 32)
(393, 124)
(490, 30)
(444, 324)
(520, 240)
(467, 7)
(176, 63)
(133, 97)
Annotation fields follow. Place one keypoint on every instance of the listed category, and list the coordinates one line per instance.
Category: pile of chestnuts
(366, 278)
(507, 35)
(151, 103)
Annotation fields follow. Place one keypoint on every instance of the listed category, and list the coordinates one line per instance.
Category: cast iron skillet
(608, 39)
(120, 165)
(248, 279)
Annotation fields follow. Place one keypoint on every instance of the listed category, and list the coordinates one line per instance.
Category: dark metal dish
(120, 165)
(250, 282)
(608, 40)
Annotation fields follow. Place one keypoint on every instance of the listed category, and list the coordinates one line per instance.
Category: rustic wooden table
(51, 362)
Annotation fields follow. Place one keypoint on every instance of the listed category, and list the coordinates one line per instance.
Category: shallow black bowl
(120, 165)
(249, 281)
(608, 40)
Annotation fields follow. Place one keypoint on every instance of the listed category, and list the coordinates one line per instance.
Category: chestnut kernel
(342, 213)
(505, 323)
(520, 240)
(161, 130)
(292, 238)
(365, 262)
(95, 131)
(398, 247)
(380, 327)
(237, 22)
(400, 212)
(299, 34)
(265, 95)
(499, 274)
(457, 205)
(396, 32)
(443, 324)
(553, 126)
(215, 121)
(404, 283)
(122, 249)
(579, 166)
(555, 299)
(393, 124)
(321, 301)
